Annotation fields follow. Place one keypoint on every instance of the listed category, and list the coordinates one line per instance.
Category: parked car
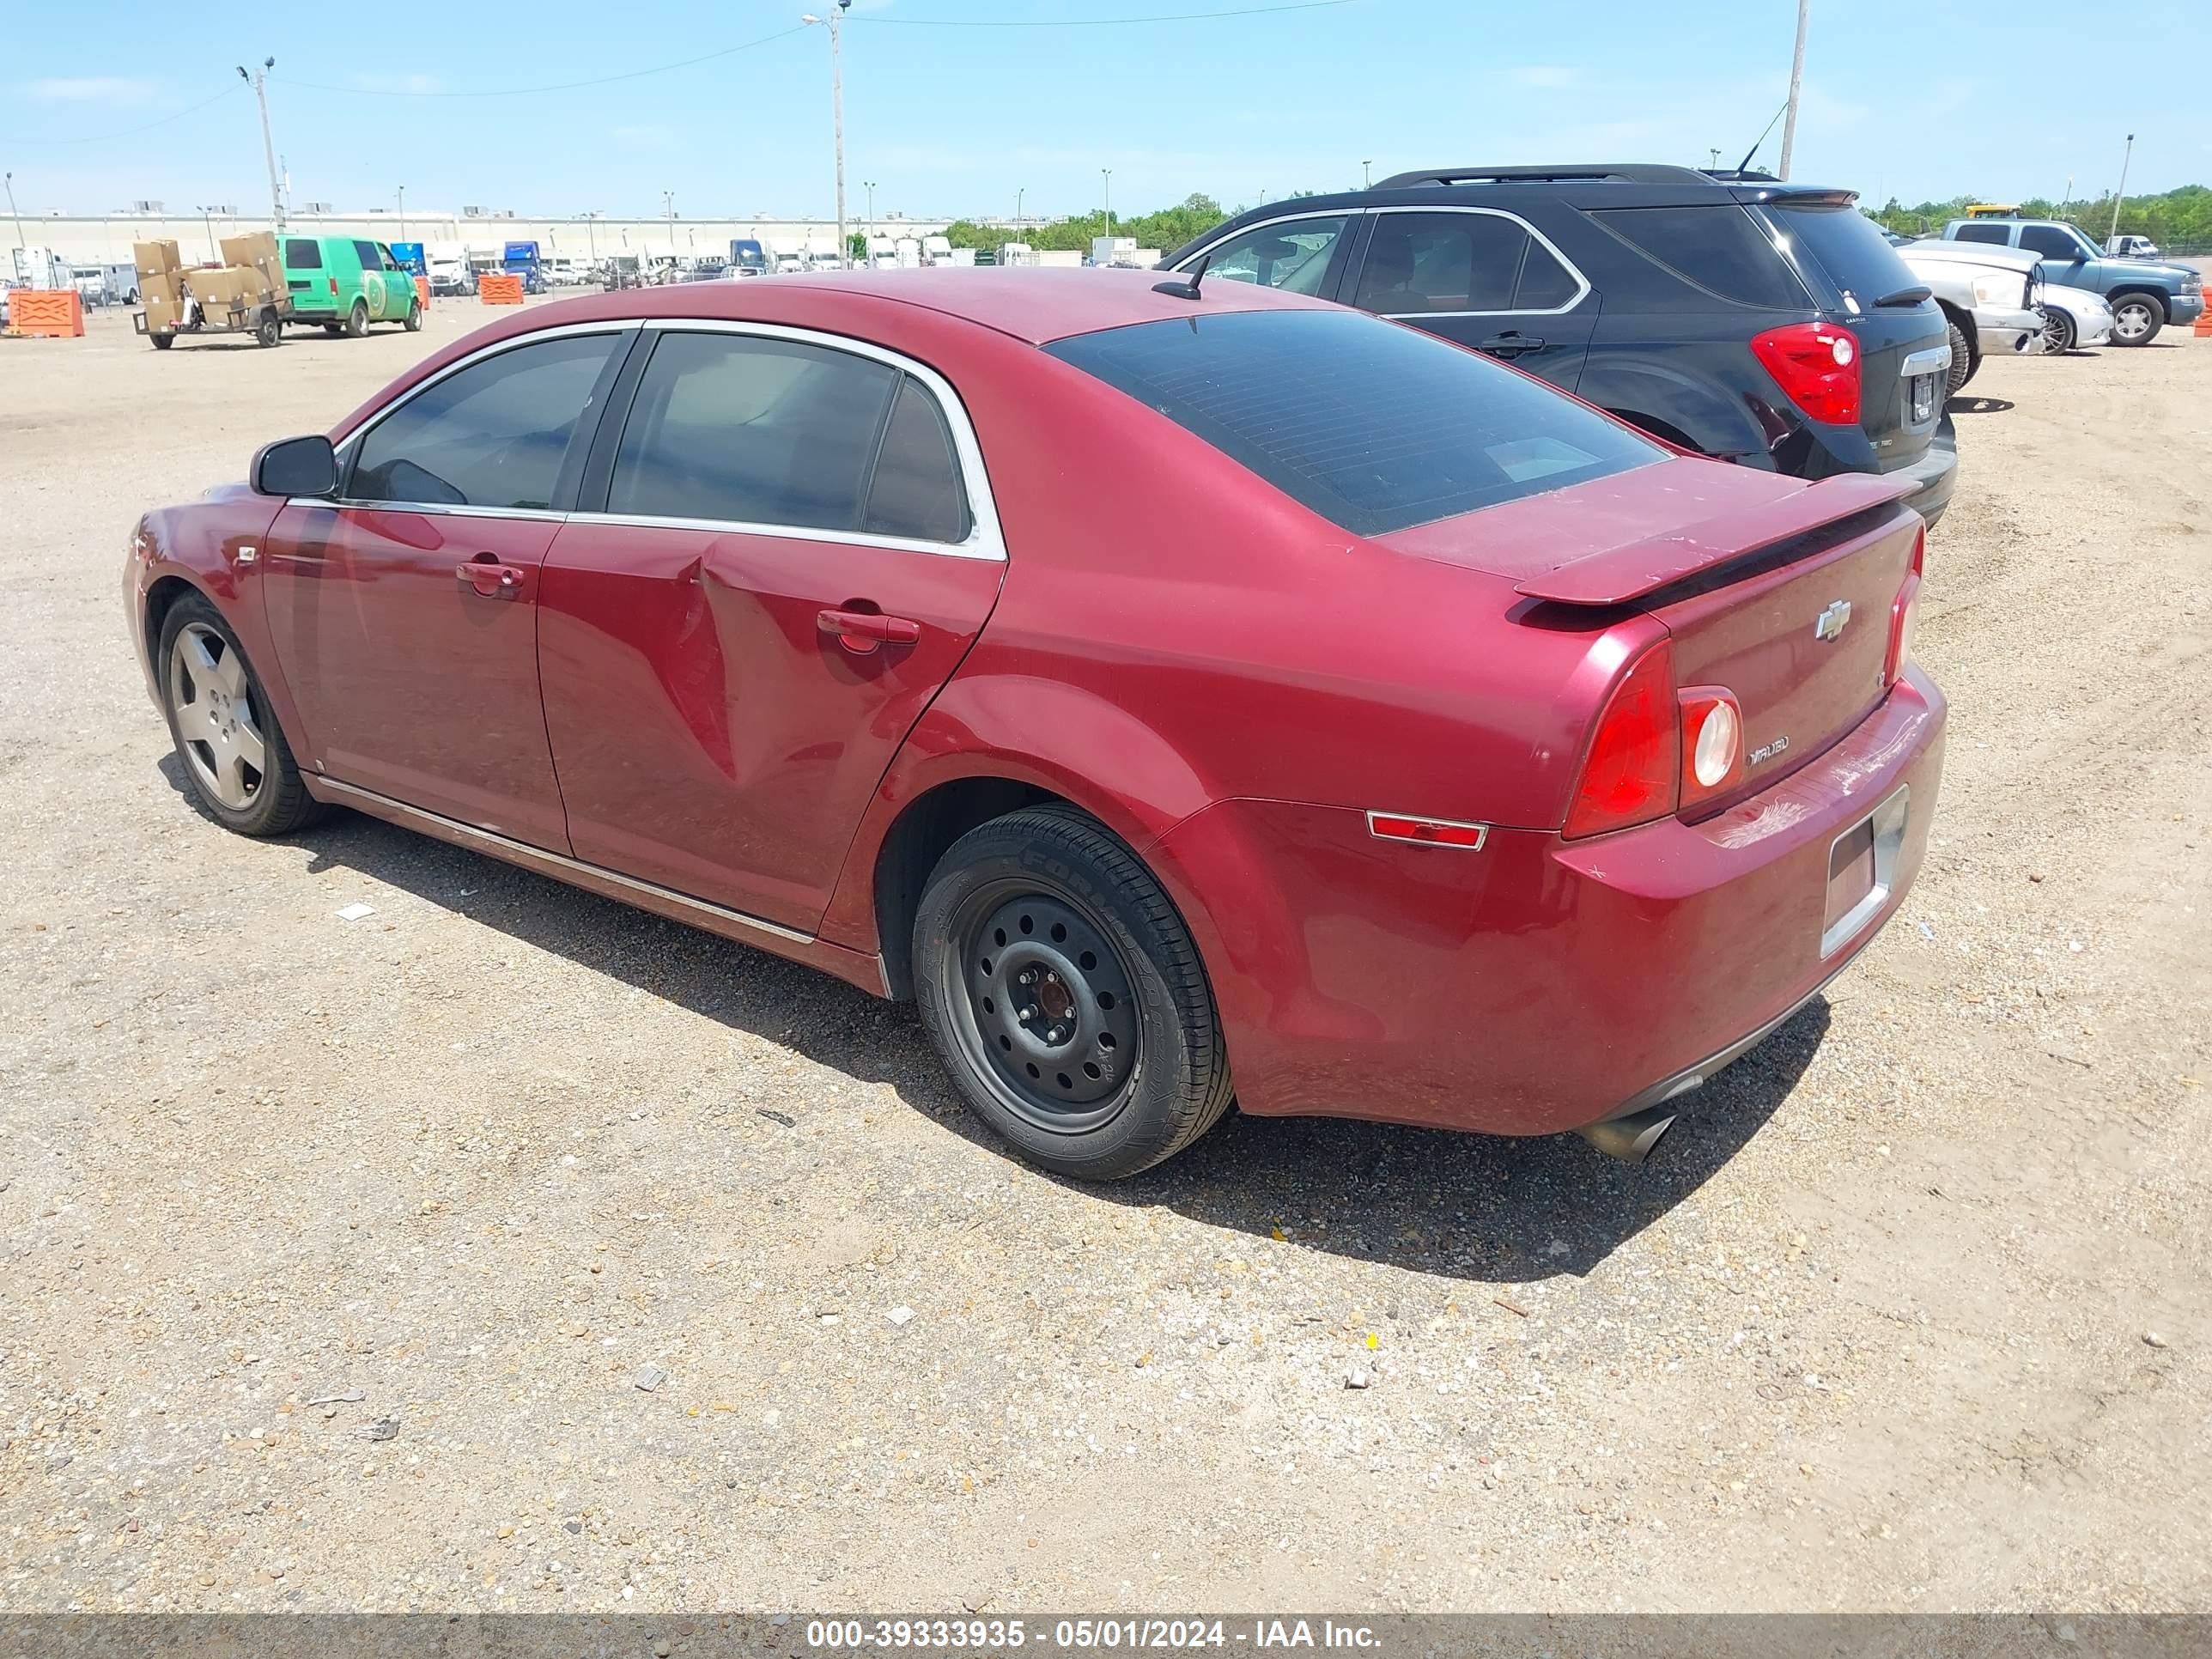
(703, 598)
(2145, 294)
(2073, 318)
(1764, 322)
(345, 284)
(2132, 247)
(1989, 296)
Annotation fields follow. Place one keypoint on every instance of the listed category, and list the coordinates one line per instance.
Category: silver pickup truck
(1989, 295)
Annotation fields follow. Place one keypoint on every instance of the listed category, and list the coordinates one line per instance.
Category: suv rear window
(1718, 247)
(1847, 244)
(1373, 426)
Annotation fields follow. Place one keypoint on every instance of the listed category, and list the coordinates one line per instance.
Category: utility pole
(1107, 173)
(2121, 193)
(837, 111)
(260, 80)
(15, 212)
(1796, 84)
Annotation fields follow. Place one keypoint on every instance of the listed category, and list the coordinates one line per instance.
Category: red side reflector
(1427, 832)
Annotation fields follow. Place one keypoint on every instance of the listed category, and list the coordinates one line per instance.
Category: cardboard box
(153, 259)
(222, 289)
(165, 285)
(258, 252)
(162, 315)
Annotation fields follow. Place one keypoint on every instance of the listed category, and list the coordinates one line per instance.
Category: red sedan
(1182, 695)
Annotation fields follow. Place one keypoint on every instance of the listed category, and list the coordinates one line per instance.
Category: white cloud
(94, 89)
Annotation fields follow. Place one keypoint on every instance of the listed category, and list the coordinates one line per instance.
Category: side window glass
(1293, 256)
(751, 431)
(1433, 262)
(492, 435)
(1718, 246)
(365, 253)
(1546, 284)
(303, 254)
(2051, 241)
(916, 489)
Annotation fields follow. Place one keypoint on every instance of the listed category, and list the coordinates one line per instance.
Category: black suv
(1759, 321)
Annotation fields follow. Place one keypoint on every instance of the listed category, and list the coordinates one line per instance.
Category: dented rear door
(717, 728)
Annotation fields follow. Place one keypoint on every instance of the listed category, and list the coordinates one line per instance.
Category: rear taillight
(1817, 366)
(334, 284)
(1904, 613)
(1712, 743)
(1631, 773)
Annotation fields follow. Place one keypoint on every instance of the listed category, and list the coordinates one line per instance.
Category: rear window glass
(303, 254)
(1848, 245)
(1718, 247)
(2000, 234)
(1373, 426)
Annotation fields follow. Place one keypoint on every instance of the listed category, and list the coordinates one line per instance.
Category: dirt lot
(1911, 1313)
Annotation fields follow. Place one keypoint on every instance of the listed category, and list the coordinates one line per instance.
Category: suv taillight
(1904, 613)
(1817, 366)
(1632, 772)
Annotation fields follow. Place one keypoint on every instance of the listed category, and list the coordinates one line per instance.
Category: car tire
(269, 332)
(2057, 331)
(219, 720)
(356, 323)
(414, 316)
(2137, 318)
(1066, 997)
(1964, 362)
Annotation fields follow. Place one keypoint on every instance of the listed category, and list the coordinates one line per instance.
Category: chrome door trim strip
(523, 852)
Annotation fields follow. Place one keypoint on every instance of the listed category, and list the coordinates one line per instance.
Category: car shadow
(1978, 405)
(1476, 1209)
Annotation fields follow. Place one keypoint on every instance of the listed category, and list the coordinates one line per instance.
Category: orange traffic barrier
(423, 290)
(2203, 329)
(500, 290)
(56, 313)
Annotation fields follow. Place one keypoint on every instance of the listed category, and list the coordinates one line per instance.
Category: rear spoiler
(1616, 575)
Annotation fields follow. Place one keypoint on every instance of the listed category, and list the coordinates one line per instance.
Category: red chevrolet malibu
(1184, 695)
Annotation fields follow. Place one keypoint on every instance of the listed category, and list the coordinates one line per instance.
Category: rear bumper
(1936, 474)
(1537, 985)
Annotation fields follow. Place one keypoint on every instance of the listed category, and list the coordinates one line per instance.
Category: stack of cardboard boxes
(160, 285)
(230, 295)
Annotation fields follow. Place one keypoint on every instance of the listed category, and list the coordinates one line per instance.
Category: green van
(346, 284)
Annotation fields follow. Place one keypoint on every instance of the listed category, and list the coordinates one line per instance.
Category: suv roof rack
(1630, 172)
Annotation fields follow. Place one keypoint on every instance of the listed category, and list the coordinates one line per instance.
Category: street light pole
(1367, 174)
(2118, 195)
(207, 217)
(1797, 82)
(260, 80)
(1018, 194)
(15, 212)
(1107, 175)
(869, 184)
(402, 213)
(836, 110)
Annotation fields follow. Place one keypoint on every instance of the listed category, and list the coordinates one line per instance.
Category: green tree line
(1166, 229)
(2178, 220)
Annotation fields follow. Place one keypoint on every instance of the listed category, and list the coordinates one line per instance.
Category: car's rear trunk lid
(1776, 590)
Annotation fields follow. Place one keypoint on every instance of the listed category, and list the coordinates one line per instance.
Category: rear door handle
(861, 631)
(1511, 344)
(491, 580)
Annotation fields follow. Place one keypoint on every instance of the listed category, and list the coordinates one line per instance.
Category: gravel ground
(511, 1248)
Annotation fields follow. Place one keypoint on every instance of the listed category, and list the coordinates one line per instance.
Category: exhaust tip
(1631, 1139)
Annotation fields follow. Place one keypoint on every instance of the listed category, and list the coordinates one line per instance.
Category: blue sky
(1917, 100)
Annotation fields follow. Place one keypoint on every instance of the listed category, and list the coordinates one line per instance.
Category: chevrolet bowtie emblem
(1832, 621)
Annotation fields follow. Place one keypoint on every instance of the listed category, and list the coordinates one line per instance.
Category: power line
(104, 137)
(560, 86)
(1097, 22)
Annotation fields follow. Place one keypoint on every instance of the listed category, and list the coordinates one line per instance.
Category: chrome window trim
(985, 539)
(1582, 283)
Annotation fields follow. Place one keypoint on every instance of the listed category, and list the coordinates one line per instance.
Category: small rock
(774, 1116)
(507, 1530)
(61, 1460)
(648, 1378)
(1359, 1377)
(384, 1428)
(661, 1649)
(2155, 1339)
(899, 1316)
(572, 1526)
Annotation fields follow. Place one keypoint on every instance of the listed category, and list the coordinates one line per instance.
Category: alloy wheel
(2131, 319)
(2057, 331)
(1047, 1007)
(218, 724)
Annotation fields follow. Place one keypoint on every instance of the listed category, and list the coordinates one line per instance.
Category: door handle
(1511, 344)
(861, 631)
(491, 579)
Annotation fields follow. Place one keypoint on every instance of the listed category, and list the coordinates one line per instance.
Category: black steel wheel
(1066, 997)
